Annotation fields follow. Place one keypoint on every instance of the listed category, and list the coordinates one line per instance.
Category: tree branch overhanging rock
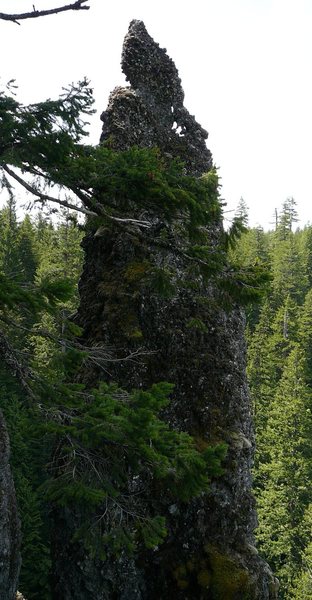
(46, 197)
(100, 209)
(15, 18)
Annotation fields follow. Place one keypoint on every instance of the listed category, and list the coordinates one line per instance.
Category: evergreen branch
(86, 198)
(18, 370)
(43, 333)
(156, 242)
(15, 18)
(45, 197)
(95, 354)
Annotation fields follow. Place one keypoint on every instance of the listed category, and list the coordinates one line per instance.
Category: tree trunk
(9, 522)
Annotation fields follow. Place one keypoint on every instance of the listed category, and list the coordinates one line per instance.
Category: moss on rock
(228, 580)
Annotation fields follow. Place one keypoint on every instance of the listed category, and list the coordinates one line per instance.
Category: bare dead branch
(99, 354)
(15, 18)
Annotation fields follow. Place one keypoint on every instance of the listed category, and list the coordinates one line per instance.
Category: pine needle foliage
(112, 447)
(45, 132)
(279, 371)
(28, 458)
(110, 443)
(35, 298)
(121, 188)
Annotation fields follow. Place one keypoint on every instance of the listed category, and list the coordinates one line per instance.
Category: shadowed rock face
(209, 552)
(9, 522)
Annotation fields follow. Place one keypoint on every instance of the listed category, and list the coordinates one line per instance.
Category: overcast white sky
(245, 67)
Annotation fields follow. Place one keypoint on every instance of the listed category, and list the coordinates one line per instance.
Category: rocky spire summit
(151, 112)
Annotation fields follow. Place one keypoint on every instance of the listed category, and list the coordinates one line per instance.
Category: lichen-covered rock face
(209, 552)
(9, 522)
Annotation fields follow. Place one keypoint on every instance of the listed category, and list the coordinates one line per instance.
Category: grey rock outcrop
(151, 112)
(209, 552)
(9, 522)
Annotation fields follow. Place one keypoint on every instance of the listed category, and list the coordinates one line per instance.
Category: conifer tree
(242, 212)
(287, 268)
(262, 380)
(9, 258)
(302, 588)
(305, 334)
(287, 218)
(27, 249)
(307, 238)
(287, 474)
(280, 383)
